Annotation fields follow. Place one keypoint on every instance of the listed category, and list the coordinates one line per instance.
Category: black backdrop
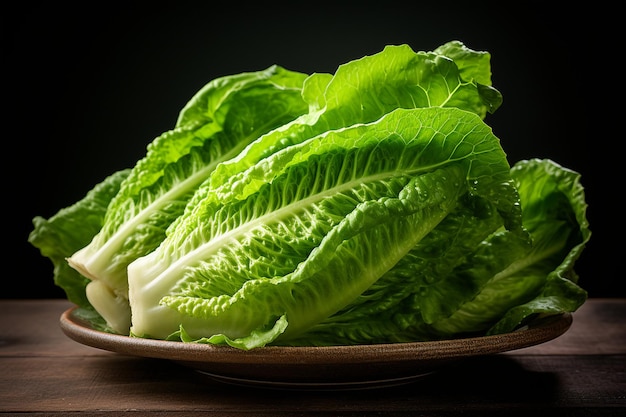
(87, 89)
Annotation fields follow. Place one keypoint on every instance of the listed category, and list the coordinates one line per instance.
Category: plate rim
(537, 332)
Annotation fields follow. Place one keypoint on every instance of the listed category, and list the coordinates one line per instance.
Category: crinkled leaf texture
(540, 279)
(326, 220)
(363, 90)
(372, 205)
(216, 124)
(269, 110)
(462, 280)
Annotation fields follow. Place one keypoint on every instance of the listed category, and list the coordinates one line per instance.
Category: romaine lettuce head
(372, 205)
(314, 225)
(269, 110)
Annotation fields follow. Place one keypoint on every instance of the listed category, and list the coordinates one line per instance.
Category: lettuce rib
(217, 123)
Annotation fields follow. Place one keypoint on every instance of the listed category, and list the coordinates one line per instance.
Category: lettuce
(70, 229)
(223, 117)
(372, 205)
(337, 212)
(462, 281)
(363, 90)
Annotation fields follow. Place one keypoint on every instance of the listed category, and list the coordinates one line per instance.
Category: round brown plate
(335, 367)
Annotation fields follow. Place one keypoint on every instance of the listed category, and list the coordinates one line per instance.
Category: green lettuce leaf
(70, 229)
(463, 280)
(555, 213)
(215, 125)
(541, 279)
(363, 90)
(372, 205)
(333, 214)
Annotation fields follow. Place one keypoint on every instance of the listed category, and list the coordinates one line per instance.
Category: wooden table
(43, 372)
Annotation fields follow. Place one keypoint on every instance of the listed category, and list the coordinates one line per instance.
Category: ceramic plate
(336, 367)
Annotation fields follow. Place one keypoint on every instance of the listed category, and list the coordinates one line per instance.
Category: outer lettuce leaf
(555, 212)
(216, 124)
(459, 281)
(363, 90)
(70, 229)
(331, 215)
(542, 279)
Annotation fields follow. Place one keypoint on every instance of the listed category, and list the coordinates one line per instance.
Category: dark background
(85, 90)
